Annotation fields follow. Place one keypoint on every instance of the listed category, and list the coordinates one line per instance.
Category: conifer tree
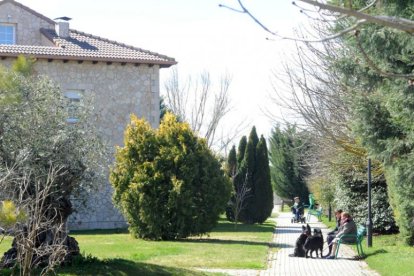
(241, 150)
(287, 173)
(262, 205)
(232, 162)
(253, 176)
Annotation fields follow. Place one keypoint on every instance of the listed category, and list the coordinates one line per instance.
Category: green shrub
(351, 196)
(167, 183)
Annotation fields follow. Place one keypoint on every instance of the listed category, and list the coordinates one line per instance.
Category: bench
(315, 212)
(359, 236)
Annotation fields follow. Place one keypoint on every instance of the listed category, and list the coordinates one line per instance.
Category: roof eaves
(161, 63)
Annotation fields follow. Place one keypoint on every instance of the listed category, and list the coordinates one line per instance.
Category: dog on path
(300, 242)
(314, 242)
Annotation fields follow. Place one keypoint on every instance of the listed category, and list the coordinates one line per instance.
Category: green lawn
(246, 246)
(387, 256)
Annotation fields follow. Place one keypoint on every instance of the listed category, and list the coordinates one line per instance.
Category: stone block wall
(27, 25)
(117, 91)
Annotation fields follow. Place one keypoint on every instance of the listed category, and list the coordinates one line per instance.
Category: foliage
(231, 165)
(253, 196)
(323, 190)
(288, 170)
(10, 214)
(351, 193)
(262, 204)
(36, 140)
(381, 100)
(167, 182)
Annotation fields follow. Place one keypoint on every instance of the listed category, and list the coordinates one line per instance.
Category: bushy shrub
(352, 196)
(167, 182)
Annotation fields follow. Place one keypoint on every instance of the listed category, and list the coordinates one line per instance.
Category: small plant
(10, 215)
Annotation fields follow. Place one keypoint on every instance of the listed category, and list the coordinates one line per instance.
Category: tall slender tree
(252, 180)
(288, 170)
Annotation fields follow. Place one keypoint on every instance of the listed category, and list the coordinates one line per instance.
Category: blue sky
(199, 35)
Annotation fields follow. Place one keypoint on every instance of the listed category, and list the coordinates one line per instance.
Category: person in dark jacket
(297, 208)
(348, 227)
(331, 235)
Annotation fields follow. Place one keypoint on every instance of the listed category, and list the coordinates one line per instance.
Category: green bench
(315, 212)
(361, 232)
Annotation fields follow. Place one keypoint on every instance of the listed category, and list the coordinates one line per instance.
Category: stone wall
(117, 91)
(27, 24)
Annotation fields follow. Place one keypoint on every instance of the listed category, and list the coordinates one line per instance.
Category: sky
(201, 36)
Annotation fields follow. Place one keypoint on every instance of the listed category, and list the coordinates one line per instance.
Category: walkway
(280, 264)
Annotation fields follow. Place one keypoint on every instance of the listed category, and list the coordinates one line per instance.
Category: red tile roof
(83, 46)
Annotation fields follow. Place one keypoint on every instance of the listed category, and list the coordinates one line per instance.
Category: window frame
(14, 28)
(74, 102)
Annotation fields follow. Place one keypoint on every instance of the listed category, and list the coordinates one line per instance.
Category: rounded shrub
(167, 182)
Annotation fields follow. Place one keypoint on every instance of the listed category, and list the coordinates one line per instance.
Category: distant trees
(288, 150)
(253, 195)
(167, 182)
(201, 103)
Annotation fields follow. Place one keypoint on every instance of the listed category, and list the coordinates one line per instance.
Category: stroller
(298, 215)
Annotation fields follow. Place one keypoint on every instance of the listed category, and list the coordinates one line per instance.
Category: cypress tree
(246, 176)
(232, 162)
(241, 150)
(262, 204)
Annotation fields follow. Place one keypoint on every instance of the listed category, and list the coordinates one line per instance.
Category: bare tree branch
(397, 23)
(210, 103)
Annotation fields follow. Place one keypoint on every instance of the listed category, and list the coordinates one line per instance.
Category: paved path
(280, 264)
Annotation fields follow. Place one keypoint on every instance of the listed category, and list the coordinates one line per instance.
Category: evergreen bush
(167, 182)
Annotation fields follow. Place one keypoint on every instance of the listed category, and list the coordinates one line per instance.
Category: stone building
(122, 79)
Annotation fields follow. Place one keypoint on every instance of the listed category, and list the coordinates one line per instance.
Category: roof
(83, 46)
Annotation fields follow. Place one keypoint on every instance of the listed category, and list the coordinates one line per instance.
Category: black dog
(299, 250)
(314, 242)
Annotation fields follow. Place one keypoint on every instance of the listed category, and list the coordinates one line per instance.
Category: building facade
(120, 79)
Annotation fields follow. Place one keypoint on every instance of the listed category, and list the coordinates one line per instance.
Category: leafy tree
(288, 171)
(167, 183)
(350, 181)
(34, 140)
(376, 65)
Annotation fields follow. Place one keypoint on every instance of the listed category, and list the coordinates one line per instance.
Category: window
(73, 105)
(7, 34)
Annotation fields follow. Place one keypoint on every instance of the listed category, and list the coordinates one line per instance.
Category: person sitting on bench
(348, 227)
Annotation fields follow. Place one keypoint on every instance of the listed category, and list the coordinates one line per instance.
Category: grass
(388, 256)
(244, 247)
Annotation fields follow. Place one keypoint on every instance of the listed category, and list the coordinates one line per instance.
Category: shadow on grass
(226, 226)
(221, 241)
(118, 267)
(100, 232)
(376, 252)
